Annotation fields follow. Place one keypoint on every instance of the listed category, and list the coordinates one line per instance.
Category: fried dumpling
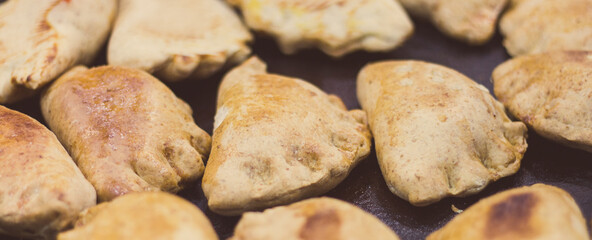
(126, 130)
(317, 218)
(176, 39)
(41, 189)
(337, 27)
(471, 21)
(550, 92)
(536, 26)
(437, 133)
(278, 140)
(536, 212)
(39, 40)
(146, 215)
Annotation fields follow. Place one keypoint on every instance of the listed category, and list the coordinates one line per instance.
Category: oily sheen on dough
(471, 21)
(176, 39)
(41, 189)
(437, 133)
(317, 218)
(126, 130)
(536, 26)
(550, 92)
(39, 40)
(141, 216)
(536, 212)
(337, 27)
(278, 140)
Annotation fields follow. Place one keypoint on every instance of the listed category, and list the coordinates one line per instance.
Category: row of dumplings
(177, 39)
(278, 140)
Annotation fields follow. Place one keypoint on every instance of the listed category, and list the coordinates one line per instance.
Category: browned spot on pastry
(258, 170)
(112, 97)
(511, 216)
(307, 155)
(323, 225)
(52, 54)
(18, 127)
(43, 26)
(576, 56)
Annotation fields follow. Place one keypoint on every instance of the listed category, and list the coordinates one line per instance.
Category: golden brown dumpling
(337, 27)
(278, 140)
(536, 26)
(437, 133)
(142, 216)
(175, 39)
(41, 189)
(317, 218)
(536, 212)
(39, 40)
(472, 21)
(550, 92)
(126, 130)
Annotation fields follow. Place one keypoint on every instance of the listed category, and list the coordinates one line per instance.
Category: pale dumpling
(471, 21)
(550, 92)
(536, 26)
(437, 133)
(337, 27)
(278, 140)
(40, 40)
(177, 39)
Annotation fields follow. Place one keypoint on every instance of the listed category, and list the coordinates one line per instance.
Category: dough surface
(39, 40)
(278, 140)
(126, 130)
(317, 218)
(536, 26)
(550, 92)
(471, 21)
(336, 27)
(536, 212)
(141, 216)
(176, 39)
(437, 132)
(41, 189)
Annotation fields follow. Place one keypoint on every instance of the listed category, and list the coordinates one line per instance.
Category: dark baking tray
(544, 162)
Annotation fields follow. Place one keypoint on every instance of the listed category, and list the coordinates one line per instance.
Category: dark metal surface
(544, 162)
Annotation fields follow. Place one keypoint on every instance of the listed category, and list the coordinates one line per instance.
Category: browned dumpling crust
(437, 132)
(126, 130)
(141, 216)
(537, 26)
(278, 140)
(550, 92)
(471, 21)
(41, 189)
(536, 212)
(317, 218)
(176, 39)
(336, 27)
(40, 40)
